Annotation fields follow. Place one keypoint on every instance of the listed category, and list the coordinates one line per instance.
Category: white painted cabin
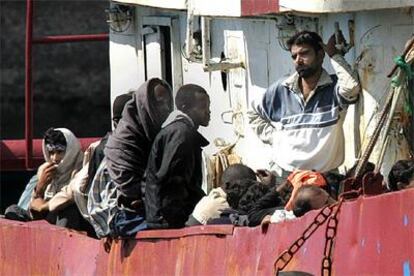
(154, 42)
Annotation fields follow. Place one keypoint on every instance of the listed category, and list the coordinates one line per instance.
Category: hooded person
(63, 156)
(99, 194)
(77, 189)
(97, 155)
(128, 148)
(66, 167)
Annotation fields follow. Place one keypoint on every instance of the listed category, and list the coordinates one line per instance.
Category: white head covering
(72, 161)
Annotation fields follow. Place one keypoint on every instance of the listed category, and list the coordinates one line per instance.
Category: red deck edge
(375, 237)
(13, 153)
(259, 7)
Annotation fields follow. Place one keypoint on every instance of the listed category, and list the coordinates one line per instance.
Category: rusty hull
(375, 237)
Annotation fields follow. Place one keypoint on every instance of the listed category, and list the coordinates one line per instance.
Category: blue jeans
(127, 224)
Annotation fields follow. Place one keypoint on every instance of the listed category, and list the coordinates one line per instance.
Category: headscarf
(129, 145)
(299, 178)
(72, 161)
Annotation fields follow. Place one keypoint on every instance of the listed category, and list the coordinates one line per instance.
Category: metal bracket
(343, 46)
(372, 184)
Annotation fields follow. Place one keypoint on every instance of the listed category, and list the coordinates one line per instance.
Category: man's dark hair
(236, 172)
(402, 171)
(54, 137)
(235, 181)
(302, 201)
(186, 96)
(235, 191)
(252, 195)
(302, 206)
(306, 37)
(119, 104)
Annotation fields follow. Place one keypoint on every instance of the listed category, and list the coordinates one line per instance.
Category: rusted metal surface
(13, 153)
(38, 248)
(259, 7)
(379, 235)
(319, 220)
(375, 237)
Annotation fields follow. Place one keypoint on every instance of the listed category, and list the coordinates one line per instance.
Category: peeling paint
(406, 268)
(378, 247)
(220, 250)
(405, 220)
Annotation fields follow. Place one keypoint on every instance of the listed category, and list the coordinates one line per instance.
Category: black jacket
(173, 177)
(267, 205)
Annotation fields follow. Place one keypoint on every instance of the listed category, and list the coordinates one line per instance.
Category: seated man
(63, 155)
(115, 200)
(77, 189)
(234, 183)
(173, 175)
(310, 197)
(282, 197)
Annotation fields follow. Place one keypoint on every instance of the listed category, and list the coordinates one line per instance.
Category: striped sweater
(307, 134)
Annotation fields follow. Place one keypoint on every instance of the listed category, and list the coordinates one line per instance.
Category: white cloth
(282, 215)
(102, 201)
(71, 163)
(73, 191)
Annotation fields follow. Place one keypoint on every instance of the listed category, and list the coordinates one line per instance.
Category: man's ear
(321, 54)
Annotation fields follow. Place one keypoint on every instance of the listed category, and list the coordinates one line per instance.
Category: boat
(236, 49)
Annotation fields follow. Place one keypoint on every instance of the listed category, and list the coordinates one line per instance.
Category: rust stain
(43, 249)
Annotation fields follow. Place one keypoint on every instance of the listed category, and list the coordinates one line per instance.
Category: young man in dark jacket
(173, 176)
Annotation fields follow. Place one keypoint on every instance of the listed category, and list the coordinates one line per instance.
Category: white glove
(211, 206)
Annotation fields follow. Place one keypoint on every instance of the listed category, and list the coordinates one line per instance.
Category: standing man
(302, 116)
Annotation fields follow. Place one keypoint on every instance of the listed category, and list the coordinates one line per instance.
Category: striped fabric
(101, 200)
(307, 134)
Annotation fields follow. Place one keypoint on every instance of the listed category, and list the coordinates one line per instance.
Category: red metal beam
(13, 152)
(71, 38)
(28, 84)
(11, 158)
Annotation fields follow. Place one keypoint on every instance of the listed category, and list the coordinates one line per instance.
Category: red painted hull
(375, 237)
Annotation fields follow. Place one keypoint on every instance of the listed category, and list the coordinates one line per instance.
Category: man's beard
(306, 71)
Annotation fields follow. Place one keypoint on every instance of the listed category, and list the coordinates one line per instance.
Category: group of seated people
(147, 174)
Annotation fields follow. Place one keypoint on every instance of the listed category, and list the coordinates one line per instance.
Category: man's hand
(210, 207)
(330, 47)
(266, 177)
(39, 205)
(45, 178)
(137, 204)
